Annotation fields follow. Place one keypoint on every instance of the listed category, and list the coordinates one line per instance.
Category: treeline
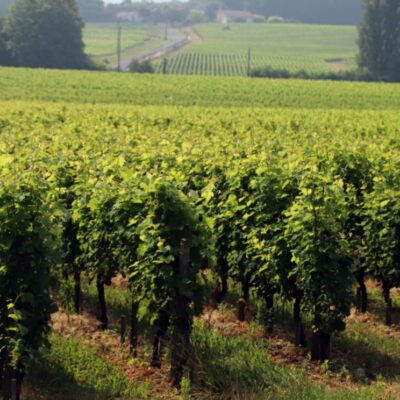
(342, 12)
(90, 10)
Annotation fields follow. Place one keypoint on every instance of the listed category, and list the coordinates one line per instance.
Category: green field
(293, 47)
(101, 40)
(100, 87)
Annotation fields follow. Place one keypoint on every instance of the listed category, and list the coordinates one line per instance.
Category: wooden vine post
(159, 339)
(181, 352)
(102, 303)
(134, 327)
(14, 390)
(10, 382)
(123, 329)
(77, 291)
(300, 336)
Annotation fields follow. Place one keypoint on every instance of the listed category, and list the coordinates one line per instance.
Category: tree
(211, 10)
(5, 57)
(379, 39)
(3, 6)
(92, 10)
(45, 33)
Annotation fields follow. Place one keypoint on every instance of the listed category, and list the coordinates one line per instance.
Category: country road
(175, 41)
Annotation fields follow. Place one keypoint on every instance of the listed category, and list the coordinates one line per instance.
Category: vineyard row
(301, 206)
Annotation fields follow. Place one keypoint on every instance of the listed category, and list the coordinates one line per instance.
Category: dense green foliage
(93, 10)
(381, 225)
(27, 246)
(45, 33)
(3, 6)
(379, 39)
(5, 56)
(322, 269)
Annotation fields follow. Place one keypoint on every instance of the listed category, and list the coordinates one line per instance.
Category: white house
(130, 16)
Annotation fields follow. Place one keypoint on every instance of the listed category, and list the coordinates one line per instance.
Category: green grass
(69, 369)
(293, 47)
(101, 40)
(241, 368)
(105, 87)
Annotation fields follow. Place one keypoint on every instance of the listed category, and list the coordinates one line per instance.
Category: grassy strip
(239, 368)
(70, 370)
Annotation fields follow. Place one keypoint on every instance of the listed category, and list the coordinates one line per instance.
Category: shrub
(280, 73)
(275, 20)
(141, 67)
(259, 19)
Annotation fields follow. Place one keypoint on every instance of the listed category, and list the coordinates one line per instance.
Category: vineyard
(293, 47)
(96, 87)
(236, 65)
(153, 221)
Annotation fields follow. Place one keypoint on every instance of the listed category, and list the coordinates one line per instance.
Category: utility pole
(119, 46)
(166, 31)
(165, 65)
(249, 62)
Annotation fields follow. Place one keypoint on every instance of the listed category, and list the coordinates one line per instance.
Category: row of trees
(338, 12)
(92, 10)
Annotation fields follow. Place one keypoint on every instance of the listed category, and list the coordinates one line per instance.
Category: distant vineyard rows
(212, 64)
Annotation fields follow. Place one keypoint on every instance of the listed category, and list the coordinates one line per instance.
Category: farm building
(227, 16)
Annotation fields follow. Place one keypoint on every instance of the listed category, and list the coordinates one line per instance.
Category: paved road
(176, 40)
